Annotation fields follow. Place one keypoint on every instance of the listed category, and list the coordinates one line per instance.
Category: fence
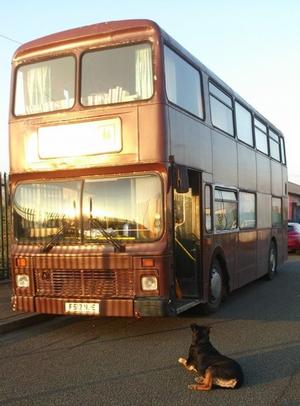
(4, 228)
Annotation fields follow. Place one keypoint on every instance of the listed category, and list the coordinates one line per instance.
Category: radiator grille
(84, 283)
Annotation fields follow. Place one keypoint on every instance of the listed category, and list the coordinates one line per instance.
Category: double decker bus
(141, 184)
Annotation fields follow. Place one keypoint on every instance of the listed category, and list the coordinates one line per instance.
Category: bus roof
(84, 33)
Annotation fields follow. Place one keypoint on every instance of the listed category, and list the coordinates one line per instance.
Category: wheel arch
(219, 255)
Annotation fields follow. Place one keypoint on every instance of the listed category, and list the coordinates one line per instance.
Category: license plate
(82, 308)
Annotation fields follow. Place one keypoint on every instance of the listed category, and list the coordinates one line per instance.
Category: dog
(212, 367)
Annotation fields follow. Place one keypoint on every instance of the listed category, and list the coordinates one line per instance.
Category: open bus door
(187, 240)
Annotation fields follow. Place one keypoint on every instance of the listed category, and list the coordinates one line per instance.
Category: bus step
(181, 305)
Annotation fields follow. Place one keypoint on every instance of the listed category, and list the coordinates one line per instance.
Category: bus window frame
(249, 228)
(277, 225)
(45, 58)
(236, 201)
(237, 101)
(282, 150)
(266, 133)
(203, 118)
(82, 180)
(208, 192)
(113, 46)
(232, 108)
(270, 129)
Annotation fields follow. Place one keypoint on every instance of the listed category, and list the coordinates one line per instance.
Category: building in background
(294, 202)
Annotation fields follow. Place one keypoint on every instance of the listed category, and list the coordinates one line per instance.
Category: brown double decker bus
(141, 184)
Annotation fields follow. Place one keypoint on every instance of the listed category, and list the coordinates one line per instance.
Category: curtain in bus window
(41, 209)
(38, 89)
(19, 96)
(143, 73)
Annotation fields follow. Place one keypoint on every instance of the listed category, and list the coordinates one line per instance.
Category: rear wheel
(272, 261)
(216, 289)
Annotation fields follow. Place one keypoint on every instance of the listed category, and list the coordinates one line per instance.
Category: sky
(253, 46)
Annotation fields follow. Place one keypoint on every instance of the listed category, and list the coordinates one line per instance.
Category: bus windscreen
(126, 208)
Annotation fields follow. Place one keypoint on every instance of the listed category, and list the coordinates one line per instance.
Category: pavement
(10, 320)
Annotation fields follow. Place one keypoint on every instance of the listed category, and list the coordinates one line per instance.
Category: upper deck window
(243, 124)
(117, 75)
(45, 86)
(274, 145)
(261, 137)
(221, 109)
(183, 84)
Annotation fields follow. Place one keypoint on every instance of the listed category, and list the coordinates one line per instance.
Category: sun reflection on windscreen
(126, 207)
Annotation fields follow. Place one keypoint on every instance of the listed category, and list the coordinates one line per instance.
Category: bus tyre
(216, 289)
(272, 261)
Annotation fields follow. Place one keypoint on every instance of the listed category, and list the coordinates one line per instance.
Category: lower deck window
(247, 210)
(276, 212)
(225, 210)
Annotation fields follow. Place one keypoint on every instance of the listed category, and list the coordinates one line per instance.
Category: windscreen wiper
(52, 241)
(117, 245)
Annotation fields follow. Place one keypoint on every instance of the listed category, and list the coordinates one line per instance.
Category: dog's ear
(194, 327)
(208, 328)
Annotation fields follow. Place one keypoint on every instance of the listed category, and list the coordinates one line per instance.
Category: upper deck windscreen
(108, 76)
(45, 86)
(117, 75)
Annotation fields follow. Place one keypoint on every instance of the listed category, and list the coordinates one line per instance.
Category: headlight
(149, 283)
(22, 281)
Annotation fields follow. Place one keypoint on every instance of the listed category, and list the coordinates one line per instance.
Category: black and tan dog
(212, 367)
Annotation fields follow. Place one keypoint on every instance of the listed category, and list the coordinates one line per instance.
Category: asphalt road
(112, 361)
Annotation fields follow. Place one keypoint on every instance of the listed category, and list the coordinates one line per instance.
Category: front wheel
(216, 289)
(272, 261)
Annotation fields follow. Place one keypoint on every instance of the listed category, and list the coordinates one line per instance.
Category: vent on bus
(84, 283)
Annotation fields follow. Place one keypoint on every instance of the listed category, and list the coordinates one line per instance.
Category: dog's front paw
(182, 361)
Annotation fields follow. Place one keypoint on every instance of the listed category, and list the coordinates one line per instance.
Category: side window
(207, 209)
(183, 83)
(225, 210)
(276, 212)
(243, 124)
(282, 150)
(261, 137)
(221, 106)
(274, 145)
(247, 210)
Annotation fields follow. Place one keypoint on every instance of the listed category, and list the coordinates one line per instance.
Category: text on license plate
(82, 308)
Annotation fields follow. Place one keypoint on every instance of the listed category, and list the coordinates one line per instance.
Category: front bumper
(139, 307)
